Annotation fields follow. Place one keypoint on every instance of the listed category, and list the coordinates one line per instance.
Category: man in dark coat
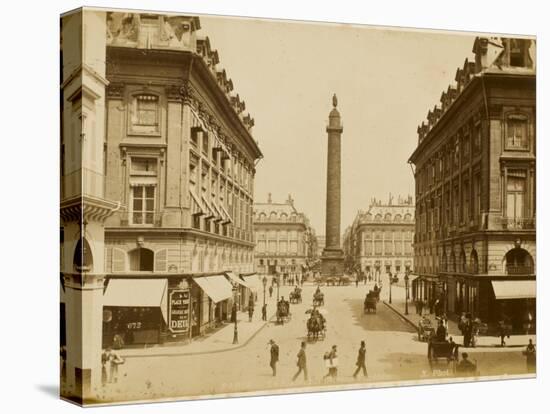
(361, 356)
(264, 312)
(302, 366)
(274, 356)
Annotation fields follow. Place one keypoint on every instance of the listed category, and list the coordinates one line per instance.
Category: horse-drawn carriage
(331, 281)
(442, 355)
(283, 311)
(296, 295)
(370, 302)
(425, 329)
(344, 281)
(318, 298)
(316, 326)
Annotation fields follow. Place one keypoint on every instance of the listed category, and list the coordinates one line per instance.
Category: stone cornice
(86, 208)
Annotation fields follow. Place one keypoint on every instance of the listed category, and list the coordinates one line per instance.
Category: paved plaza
(393, 354)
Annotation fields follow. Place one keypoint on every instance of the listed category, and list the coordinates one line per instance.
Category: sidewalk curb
(401, 315)
(233, 348)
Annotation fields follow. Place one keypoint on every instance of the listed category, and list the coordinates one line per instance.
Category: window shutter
(108, 259)
(160, 261)
(119, 260)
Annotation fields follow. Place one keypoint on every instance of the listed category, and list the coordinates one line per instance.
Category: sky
(386, 80)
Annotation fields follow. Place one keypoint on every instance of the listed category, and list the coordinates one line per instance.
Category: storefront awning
(216, 287)
(236, 279)
(514, 289)
(137, 293)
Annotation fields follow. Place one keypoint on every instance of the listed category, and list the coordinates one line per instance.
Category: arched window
(519, 262)
(387, 217)
(82, 259)
(397, 217)
(141, 259)
(378, 217)
(407, 217)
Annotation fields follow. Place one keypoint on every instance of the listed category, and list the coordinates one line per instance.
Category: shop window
(141, 259)
(516, 133)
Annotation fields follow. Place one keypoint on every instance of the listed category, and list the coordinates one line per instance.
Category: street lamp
(278, 283)
(264, 281)
(235, 331)
(407, 293)
(389, 275)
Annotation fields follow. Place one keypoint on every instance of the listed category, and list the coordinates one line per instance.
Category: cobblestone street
(393, 354)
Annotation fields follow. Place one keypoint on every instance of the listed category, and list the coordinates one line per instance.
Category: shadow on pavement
(383, 320)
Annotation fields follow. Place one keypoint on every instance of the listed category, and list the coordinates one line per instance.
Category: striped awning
(254, 282)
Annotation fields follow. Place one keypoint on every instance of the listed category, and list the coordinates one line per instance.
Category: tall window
(145, 114)
(516, 132)
(515, 196)
(143, 204)
(143, 177)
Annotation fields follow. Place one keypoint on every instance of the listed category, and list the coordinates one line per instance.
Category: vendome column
(332, 259)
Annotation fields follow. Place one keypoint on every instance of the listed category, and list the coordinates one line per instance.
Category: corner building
(475, 245)
(180, 159)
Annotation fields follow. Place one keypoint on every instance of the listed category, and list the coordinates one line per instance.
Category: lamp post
(406, 293)
(264, 281)
(389, 276)
(278, 283)
(235, 330)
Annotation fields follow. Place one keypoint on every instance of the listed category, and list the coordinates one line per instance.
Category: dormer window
(517, 52)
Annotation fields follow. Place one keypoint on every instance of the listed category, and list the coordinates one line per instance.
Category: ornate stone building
(168, 165)
(475, 187)
(285, 241)
(379, 241)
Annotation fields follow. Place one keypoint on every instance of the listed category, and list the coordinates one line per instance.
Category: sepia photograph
(253, 206)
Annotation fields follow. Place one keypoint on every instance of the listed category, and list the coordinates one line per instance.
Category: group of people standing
(330, 359)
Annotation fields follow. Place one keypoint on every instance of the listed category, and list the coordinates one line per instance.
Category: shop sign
(178, 312)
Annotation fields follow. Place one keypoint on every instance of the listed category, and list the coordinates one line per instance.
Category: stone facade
(475, 184)
(157, 172)
(285, 241)
(379, 241)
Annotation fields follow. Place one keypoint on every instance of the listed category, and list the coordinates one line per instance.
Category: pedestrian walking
(301, 363)
(250, 312)
(264, 312)
(502, 332)
(361, 357)
(274, 356)
(270, 291)
(331, 362)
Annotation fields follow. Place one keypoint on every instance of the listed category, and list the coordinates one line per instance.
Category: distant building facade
(285, 241)
(380, 239)
(475, 188)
